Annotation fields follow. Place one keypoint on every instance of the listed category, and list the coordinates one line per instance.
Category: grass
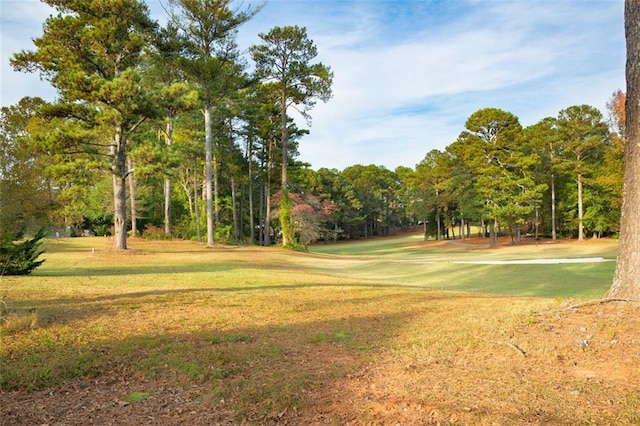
(438, 265)
(271, 331)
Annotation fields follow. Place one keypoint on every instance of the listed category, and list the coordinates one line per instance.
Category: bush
(152, 232)
(222, 234)
(19, 256)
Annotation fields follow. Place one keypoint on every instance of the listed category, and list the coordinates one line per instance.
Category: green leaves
(18, 256)
(285, 58)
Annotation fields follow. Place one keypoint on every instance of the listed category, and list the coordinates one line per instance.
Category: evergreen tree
(19, 256)
(284, 59)
(91, 52)
(208, 29)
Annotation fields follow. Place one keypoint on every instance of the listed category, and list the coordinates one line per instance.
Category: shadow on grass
(45, 313)
(121, 270)
(259, 370)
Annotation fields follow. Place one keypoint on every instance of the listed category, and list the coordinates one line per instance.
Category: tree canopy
(202, 136)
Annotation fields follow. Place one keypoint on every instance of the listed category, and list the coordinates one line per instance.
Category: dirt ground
(574, 365)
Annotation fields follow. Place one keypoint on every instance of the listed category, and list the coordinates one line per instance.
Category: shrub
(222, 234)
(152, 232)
(19, 256)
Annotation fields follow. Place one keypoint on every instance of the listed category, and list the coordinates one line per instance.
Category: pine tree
(19, 256)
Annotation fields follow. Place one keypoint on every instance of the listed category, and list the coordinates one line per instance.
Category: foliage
(19, 255)
(91, 53)
(152, 232)
(25, 196)
(210, 60)
(287, 226)
(223, 234)
(556, 177)
(284, 60)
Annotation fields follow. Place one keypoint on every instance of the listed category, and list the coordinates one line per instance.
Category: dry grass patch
(177, 334)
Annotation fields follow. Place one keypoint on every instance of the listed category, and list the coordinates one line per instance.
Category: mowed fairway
(389, 331)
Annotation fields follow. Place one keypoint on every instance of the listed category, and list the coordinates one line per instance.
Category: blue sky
(408, 73)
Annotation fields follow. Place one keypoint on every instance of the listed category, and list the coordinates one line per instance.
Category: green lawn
(441, 265)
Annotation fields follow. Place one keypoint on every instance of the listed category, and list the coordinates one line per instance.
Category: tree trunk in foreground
(626, 280)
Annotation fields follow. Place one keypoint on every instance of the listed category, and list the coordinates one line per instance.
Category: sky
(408, 73)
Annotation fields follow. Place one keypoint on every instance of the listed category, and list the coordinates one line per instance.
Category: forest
(171, 132)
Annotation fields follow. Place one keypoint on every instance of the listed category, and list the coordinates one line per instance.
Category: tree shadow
(259, 371)
(69, 310)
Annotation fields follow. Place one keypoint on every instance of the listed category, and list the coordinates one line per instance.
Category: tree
(626, 280)
(175, 97)
(23, 184)
(617, 114)
(208, 28)
(583, 133)
(91, 52)
(372, 190)
(19, 255)
(604, 200)
(435, 181)
(544, 138)
(492, 149)
(284, 58)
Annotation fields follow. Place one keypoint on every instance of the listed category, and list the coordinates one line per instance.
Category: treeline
(163, 132)
(561, 177)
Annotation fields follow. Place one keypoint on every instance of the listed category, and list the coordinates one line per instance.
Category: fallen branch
(600, 302)
(512, 346)
(516, 348)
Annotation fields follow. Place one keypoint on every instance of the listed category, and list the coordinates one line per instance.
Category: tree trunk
(132, 200)
(261, 215)
(186, 185)
(266, 228)
(216, 189)
(196, 207)
(286, 223)
(493, 238)
(118, 151)
(439, 225)
(554, 235)
(167, 207)
(208, 147)
(167, 184)
(236, 234)
(626, 280)
(252, 234)
(580, 210)
(424, 229)
(267, 214)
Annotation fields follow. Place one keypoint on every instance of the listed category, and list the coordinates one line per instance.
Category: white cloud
(395, 101)
(408, 74)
